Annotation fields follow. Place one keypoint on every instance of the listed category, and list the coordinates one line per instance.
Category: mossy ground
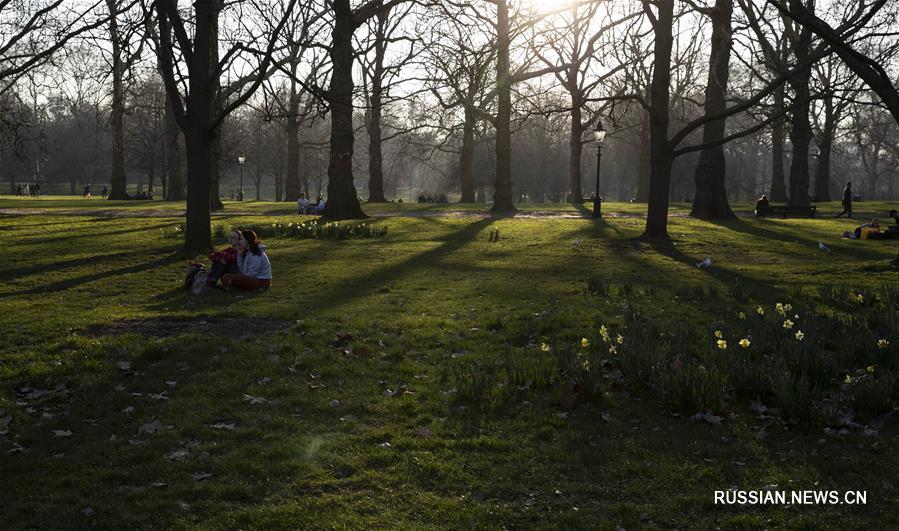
(356, 351)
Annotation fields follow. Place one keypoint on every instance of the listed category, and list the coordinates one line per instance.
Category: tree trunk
(215, 201)
(502, 199)
(575, 148)
(800, 137)
(466, 164)
(710, 199)
(778, 178)
(292, 181)
(373, 121)
(198, 138)
(825, 147)
(174, 157)
(643, 169)
(118, 180)
(661, 157)
(343, 201)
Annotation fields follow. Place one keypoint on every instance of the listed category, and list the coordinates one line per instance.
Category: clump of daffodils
(788, 324)
(722, 344)
(882, 343)
(760, 310)
(744, 343)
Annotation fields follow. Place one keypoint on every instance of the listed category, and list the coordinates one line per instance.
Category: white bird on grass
(822, 247)
(705, 264)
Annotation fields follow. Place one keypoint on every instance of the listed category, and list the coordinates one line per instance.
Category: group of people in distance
(242, 266)
(31, 190)
(304, 206)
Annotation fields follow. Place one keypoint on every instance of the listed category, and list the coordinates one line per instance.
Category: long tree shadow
(83, 279)
(361, 287)
(19, 272)
(758, 231)
(68, 237)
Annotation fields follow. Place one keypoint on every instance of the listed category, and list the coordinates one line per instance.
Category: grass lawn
(432, 377)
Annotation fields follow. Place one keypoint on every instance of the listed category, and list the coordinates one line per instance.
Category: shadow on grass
(360, 287)
(100, 275)
(68, 237)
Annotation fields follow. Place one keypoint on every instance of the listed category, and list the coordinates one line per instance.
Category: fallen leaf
(178, 454)
(152, 427)
(200, 476)
(120, 387)
(62, 433)
(384, 445)
(707, 417)
(263, 380)
(171, 383)
(606, 416)
(223, 426)
(334, 403)
(253, 400)
(159, 396)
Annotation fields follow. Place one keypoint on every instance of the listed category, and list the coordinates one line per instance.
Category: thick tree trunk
(292, 181)
(118, 180)
(575, 148)
(343, 201)
(825, 147)
(466, 164)
(174, 157)
(503, 202)
(198, 138)
(800, 137)
(661, 157)
(710, 200)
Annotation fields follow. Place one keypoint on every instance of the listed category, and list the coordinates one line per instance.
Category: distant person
(19, 190)
(37, 189)
(319, 207)
(105, 191)
(847, 201)
(762, 205)
(253, 264)
(303, 204)
(87, 191)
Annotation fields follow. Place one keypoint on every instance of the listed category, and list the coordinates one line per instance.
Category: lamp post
(241, 159)
(600, 135)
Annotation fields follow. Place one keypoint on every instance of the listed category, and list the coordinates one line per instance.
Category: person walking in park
(255, 268)
(847, 201)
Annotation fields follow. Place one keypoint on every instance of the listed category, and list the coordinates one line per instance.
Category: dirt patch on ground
(240, 327)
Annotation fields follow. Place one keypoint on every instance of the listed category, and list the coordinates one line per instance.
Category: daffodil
(718, 334)
(585, 342)
(613, 350)
(779, 308)
(787, 307)
(744, 343)
(788, 324)
(882, 343)
(760, 310)
(741, 315)
(860, 298)
(544, 347)
(619, 339)
(848, 379)
(722, 344)
(870, 369)
(799, 335)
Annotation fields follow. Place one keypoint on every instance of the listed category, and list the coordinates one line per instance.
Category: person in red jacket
(224, 261)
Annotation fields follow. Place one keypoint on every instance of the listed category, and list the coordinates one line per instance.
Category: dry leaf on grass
(62, 433)
(200, 476)
(254, 400)
(223, 426)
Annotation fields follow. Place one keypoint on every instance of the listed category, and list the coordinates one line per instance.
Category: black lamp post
(241, 159)
(597, 201)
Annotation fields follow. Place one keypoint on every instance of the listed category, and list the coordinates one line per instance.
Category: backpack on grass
(194, 271)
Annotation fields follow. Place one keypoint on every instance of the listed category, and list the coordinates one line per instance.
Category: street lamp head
(600, 133)
(241, 159)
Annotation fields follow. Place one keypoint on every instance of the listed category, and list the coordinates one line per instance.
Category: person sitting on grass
(253, 264)
(302, 204)
(762, 204)
(319, 207)
(224, 261)
(868, 230)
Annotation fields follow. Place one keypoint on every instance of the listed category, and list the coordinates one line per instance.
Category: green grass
(428, 338)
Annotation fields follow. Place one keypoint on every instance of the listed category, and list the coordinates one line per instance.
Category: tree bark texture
(343, 201)
(710, 199)
(661, 157)
(502, 198)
